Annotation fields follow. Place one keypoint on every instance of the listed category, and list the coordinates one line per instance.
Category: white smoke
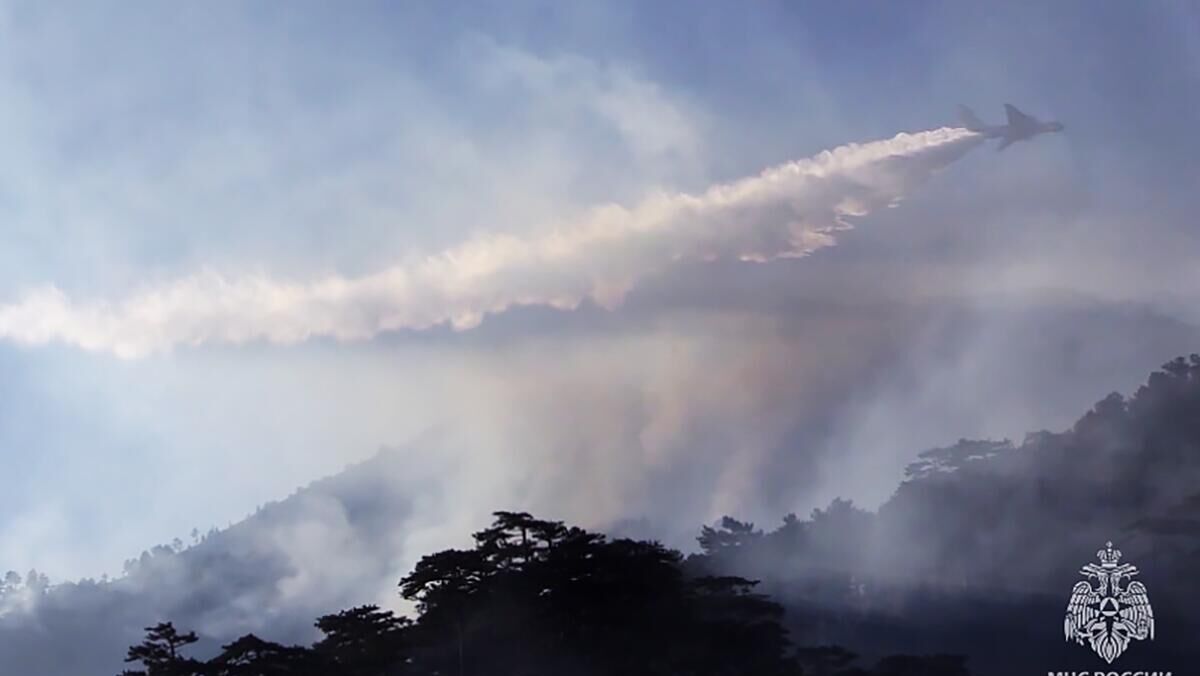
(787, 211)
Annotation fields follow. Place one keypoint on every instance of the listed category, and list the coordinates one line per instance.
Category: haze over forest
(297, 297)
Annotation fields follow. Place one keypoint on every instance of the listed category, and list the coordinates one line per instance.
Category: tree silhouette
(160, 653)
(537, 596)
(252, 656)
(532, 597)
(731, 535)
(362, 641)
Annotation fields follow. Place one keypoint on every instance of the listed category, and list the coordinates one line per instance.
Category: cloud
(787, 211)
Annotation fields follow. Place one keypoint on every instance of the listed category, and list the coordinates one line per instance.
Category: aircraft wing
(969, 119)
(1016, 118)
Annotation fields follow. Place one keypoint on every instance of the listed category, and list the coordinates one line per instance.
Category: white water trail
(786, 211)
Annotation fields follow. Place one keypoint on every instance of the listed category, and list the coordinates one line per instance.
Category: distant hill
(978, 549)
(332, 544)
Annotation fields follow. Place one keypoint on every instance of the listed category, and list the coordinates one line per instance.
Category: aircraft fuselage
(1020, 126)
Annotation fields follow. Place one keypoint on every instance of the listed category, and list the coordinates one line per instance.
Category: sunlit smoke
(787, 211)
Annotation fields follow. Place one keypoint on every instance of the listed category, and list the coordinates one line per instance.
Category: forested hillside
(974, 554)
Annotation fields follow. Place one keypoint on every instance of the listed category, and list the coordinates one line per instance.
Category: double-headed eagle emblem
(1107, 616)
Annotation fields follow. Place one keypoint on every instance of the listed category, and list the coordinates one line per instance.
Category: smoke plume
(787, 211)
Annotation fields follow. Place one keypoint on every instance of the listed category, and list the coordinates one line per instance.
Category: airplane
(1020, 126)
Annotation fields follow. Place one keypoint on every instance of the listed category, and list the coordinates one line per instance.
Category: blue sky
(147, 142)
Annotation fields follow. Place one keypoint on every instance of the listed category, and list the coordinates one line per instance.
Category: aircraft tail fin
(1015, 117)
(969, 119)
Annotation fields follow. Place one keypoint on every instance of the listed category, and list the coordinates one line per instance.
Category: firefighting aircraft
(1020, 126)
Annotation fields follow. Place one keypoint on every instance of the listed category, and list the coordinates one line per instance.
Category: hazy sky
(147, 143)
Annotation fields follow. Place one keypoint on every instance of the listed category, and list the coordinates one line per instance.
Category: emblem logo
(1107, 615)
